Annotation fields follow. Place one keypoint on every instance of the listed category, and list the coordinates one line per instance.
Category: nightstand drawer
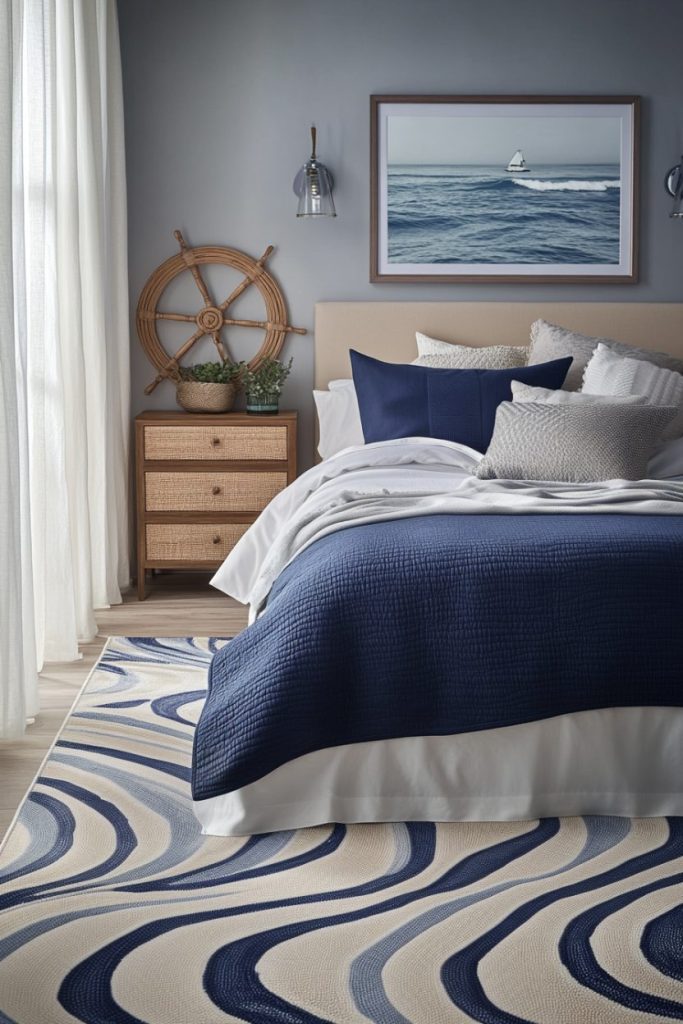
(211, 492)
(221, 442)
(192, 542)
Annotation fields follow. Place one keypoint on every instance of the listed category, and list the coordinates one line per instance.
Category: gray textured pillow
(444, 355)
(573, 443)
(548, 341)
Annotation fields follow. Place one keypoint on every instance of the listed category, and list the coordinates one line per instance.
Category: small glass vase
(268, 404)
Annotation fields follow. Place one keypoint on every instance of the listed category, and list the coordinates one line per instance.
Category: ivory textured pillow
(548, 341)
(609, 374)
(576, 444)
(526, 393)
(442, 354)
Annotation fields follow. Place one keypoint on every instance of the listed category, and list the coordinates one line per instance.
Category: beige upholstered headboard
(386, 330)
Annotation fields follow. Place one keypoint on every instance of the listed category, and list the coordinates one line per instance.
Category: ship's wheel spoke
(184, 317)
(199, 280)
(194, 269)
(235, 294)
(223, 352)
(244, 284)
(173, 362)
(263, 325)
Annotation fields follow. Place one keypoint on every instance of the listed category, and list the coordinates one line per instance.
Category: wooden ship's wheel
(212, 317)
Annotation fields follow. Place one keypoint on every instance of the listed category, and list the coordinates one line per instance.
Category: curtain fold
(18, 676)
(66, 219)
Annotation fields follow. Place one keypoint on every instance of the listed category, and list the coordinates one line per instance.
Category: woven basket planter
(196, 396)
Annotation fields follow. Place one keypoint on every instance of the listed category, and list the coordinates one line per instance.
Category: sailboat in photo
(517, 162)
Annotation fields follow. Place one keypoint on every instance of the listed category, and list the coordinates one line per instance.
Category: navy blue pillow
(399, 400)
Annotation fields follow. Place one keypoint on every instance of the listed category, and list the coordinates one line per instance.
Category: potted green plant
(208, 387)
(263, 385)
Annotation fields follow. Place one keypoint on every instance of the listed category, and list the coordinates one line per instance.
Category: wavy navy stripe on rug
(114, 909)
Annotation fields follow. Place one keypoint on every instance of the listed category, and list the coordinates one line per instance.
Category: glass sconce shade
(674, 186)
(313, 185)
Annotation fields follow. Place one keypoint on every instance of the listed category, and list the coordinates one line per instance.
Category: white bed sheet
(617, 761)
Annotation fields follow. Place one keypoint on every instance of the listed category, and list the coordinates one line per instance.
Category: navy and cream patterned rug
(114, 909)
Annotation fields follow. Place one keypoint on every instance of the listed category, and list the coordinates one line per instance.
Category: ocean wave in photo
(566, 186)
(560, 214)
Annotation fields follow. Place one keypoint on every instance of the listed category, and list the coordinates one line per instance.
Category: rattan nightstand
(201, 480)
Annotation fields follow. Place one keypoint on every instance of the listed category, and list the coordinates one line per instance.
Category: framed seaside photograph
(504, 188)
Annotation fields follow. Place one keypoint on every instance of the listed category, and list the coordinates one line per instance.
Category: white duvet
(408, 477)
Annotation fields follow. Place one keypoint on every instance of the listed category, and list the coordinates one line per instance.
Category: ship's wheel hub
(210, 319)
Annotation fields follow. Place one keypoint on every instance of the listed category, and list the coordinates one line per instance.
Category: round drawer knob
(215, 441)
(216, 538)
(216, 490)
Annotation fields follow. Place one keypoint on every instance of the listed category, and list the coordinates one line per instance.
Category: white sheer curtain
(18, 678)
(68, 233)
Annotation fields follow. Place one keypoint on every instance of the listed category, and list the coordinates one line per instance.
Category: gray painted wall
(219, 96)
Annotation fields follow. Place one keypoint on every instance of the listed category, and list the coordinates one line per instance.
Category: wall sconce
(313, 185)
(673, 183)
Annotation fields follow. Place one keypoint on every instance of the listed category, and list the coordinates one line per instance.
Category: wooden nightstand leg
(142, 583)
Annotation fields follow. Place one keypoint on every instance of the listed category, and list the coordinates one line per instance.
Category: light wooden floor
(178, 604)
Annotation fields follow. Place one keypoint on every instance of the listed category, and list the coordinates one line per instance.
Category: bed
(427, 645)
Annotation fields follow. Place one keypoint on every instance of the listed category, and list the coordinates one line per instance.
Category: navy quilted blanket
(444, 624)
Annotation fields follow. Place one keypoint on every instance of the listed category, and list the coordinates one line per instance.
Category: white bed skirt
(616, 761)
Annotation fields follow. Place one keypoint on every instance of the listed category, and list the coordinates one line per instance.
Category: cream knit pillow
(444, 355)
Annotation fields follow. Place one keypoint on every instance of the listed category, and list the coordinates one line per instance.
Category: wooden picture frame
(452, 209)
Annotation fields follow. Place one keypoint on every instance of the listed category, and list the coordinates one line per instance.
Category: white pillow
(442, 354)
(610, 374)
(527, 393)
(338, 418)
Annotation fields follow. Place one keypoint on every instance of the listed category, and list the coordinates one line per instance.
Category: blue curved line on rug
(329, 845)
(125, 843)
(123, 704)
(47, 848)
(459, 972)
(232, 968)
(249, 858)
(580, 960)
(233, 868)
(175, 651)
(112, 668)
(167, 707)
(88, 733)
(366, 984)
(177, 770)
(185, 839)
(185, 836)
(14, 941)
(87, 987)
(215, 874)
(662, 942)
(125, 680)
(163, 730)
